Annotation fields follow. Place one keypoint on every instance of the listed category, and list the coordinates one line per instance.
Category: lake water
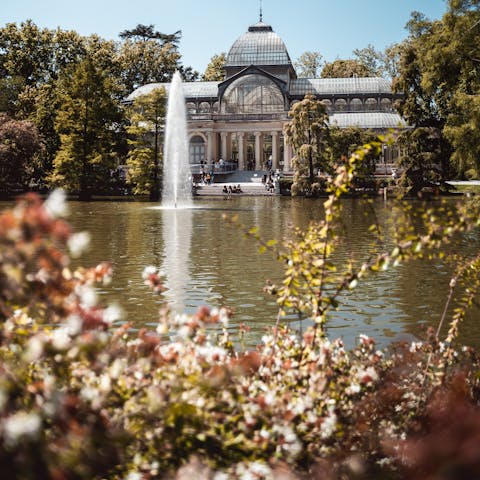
(209, 262)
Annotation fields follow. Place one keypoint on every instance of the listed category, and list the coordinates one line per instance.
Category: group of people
(206, 176)
(230, 189)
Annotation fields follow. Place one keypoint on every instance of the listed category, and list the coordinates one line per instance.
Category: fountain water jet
(177, 183)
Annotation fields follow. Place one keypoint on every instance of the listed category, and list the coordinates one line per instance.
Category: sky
(332, 27)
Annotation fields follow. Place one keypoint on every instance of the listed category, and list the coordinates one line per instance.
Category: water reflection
(177, 236)
(208, 262)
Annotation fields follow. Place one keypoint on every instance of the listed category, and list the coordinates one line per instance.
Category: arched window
(371, 104)
(196, 149)
(215, 107)
(328, 104)
(204, 107)
(386, 104)
(191, 107)
(340, 105)
(253, 94)
(356, 105)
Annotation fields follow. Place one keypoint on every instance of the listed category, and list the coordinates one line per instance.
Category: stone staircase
(250, 182)
(253, 189)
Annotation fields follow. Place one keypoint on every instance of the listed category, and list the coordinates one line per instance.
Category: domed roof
(259, 46)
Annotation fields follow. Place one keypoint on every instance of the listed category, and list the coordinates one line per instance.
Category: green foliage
(309, 64)
(144, 160)
(439, 74)
(85, 122)
(34, 63)
(342, 142)
(147, 32)
(463, 132)
(215, 71)
(346, 69)
(382, 64)
(421, 159)
(307, 132)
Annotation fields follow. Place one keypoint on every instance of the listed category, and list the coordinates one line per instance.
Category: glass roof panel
(339, 86)
(259, 46)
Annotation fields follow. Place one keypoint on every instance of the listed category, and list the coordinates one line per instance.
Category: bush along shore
(84, 396)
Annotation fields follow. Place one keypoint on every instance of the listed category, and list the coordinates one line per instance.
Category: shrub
(82, 397)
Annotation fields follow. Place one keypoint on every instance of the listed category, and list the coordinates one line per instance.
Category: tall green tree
(144, 160)
(215, 71)
(25, 52)
(86, 123)
(439, 74)
(309, 64)
(147, 56)
(346, 69)
(307, 132)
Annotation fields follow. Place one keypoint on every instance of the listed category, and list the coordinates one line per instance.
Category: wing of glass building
(241, 119)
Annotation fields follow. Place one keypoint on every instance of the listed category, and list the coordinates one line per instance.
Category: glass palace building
(241, 118)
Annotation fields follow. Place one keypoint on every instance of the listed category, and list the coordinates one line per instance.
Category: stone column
(224, 152)
(274, 150)
(228, 155)
(209, 147)
(241, 150)
(258, 153)
(287, 155)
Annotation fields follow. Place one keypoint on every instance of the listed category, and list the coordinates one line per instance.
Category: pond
(207, 261)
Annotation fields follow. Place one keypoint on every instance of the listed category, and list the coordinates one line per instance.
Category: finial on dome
(261, 13)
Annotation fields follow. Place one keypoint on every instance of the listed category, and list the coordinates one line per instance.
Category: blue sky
(332, 27)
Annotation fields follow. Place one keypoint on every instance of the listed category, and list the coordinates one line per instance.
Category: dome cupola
(259, 46)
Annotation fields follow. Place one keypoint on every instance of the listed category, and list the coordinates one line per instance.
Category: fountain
(177, 184)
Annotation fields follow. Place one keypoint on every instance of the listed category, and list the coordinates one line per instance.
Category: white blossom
(329, 424)
(56, 204)
(87, 295)
(21, 425)
(61, 339)
(78, 243)
(147, 271)
(112, 312)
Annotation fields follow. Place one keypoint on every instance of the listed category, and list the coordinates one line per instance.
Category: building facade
(241, 119)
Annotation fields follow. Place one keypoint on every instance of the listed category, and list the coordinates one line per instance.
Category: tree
(307, 132)
(345, 69)
(148, 56)
(26, 52)
(343, 141)
(147, 32)
(382, 64)
(87, 123)
(439, 73)
(20, 143)
(309, 64)
(146, 61)
(215, 71)
(420, 159)
(144, 161)
(463, 132)
(10, 89)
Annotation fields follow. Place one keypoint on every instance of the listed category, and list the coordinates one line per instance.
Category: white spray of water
(177, 183)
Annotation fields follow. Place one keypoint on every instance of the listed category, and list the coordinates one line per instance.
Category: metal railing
(218, 169)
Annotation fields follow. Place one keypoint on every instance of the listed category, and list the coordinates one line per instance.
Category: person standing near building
(212, 172)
